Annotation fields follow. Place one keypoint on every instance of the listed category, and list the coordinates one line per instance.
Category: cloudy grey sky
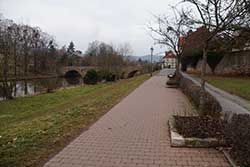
(83, 21)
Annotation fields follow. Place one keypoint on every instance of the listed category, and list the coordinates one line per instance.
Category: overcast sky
(83, 21)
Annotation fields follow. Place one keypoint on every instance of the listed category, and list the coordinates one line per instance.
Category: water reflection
(73, 81)
(31, 87)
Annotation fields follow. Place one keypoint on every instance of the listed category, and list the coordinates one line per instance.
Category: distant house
(169, 60)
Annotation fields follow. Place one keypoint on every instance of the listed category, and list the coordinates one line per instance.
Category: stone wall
(234, 63)
(198, 68)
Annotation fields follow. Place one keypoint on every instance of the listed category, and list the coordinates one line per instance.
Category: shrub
(101, 75)
(238, 134)
(200, 127)
(212, 106)
(110, 77)
(213, 59)
(91, 77)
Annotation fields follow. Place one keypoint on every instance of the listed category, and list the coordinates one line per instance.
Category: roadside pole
(152, 50)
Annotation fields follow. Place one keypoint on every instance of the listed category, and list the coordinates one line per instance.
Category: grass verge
(239, 86)
(32, 129)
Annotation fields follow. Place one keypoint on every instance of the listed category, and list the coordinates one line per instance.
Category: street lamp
(152, 50)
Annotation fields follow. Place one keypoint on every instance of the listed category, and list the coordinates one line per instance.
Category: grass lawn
(239, 86)
(32, 129)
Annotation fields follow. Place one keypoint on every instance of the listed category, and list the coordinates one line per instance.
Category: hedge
(91, 77)
(238, 134)
(212, 106)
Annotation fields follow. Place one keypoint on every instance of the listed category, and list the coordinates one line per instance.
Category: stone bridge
(131, 71)
(127, 72)
(75, 70)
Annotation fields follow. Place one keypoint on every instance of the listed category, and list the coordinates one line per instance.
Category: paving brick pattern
(134, 133)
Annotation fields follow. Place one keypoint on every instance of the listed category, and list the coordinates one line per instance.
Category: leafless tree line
(24, 50)
(109, 58)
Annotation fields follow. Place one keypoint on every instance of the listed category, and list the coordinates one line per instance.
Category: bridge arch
(132, 73)
(75, 70)
(123, 75)
(72, 73)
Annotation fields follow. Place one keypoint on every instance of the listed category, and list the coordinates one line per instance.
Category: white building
(169, 60)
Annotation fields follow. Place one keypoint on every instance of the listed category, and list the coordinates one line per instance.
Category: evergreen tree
(70, 53)
(71, 47)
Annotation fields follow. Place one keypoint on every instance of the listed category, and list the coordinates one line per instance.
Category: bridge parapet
(79, 69)
(127, 72)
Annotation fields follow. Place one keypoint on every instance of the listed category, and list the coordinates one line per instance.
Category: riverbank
(32, 77)
(25, 88)
(32, 129)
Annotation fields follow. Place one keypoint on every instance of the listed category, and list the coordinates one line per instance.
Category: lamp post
(152, 50)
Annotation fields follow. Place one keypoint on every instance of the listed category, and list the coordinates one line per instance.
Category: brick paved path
(135, 134)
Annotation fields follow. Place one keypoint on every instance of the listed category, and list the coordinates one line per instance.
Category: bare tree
(106, 57)
(125, 49)
(19, 45)
(35, 42)
(5, 58)
(15, 37)
(26, 37)
(109, 60)
(90, 56)
(168, 30)
(220, 18)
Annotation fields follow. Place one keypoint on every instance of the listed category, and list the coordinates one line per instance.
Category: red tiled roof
(169, 54)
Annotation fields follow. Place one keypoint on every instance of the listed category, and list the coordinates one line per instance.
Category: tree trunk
(25, 63)
(203, 80)
(25, 58)
(25, 87)
(35, 69)
(15, 67)
(35, 60)
(7, 87)
(15, 60)
(178, 68)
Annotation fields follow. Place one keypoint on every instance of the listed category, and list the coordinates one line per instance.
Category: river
(31, 87)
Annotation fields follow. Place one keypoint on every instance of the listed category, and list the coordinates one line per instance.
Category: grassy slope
(235, 85)
(33, 128)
